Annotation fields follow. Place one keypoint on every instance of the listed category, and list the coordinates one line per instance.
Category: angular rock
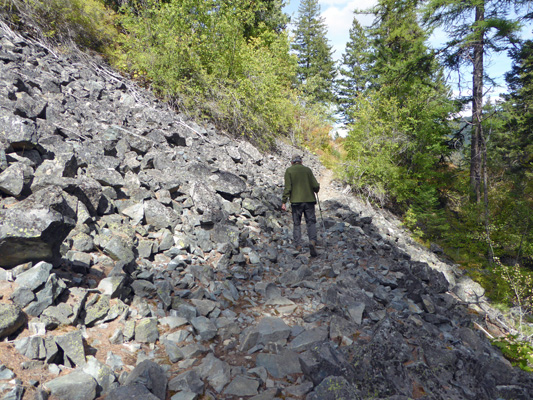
(146, 330)
(11, 319)
(242, 386)
(131, 392)
(35, 276)
(150, 375)
(205, 328)
(33, 229)
(333, 388)
(280, 365)
(215, 371)
(268, 330)
(72, 345)
(75, 386)
(187, 381)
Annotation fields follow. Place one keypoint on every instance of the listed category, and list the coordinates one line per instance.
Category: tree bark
(477, 108)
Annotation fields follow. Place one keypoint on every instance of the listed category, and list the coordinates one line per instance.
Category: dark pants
(308, 210)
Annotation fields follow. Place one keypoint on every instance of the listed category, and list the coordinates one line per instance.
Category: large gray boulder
(75, 386)
(19, 133)
(11, 319)
(13, 179)
(33, 229)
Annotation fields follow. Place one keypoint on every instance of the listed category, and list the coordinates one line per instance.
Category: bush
(87, 23)
(198, 56)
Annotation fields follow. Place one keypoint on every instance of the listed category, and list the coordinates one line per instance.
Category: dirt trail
(327, 191)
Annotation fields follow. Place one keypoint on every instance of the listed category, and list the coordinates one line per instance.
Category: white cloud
(338, 17)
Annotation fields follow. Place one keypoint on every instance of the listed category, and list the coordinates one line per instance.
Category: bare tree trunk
(477, 109)
(483, 146)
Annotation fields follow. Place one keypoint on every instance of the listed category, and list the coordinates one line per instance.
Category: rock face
(145, 256)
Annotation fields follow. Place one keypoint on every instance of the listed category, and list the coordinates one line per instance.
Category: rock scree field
(144, 256)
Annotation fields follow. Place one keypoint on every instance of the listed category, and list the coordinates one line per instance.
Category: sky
(338, 15)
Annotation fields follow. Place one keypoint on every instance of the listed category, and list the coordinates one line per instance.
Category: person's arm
(314, 183)
(287, 189)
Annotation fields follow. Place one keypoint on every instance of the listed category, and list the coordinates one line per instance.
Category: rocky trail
(144, 256)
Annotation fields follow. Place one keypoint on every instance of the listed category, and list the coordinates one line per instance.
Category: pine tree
(401, 58)
(397, 138)
(354, 71)
(316, 68)
(516, 142)
(476, 27)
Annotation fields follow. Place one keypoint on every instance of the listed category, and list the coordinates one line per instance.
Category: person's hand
(283, 207)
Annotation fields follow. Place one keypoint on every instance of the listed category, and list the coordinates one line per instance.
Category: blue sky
(338, 15)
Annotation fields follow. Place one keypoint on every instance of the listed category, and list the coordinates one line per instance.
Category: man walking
(300, 188)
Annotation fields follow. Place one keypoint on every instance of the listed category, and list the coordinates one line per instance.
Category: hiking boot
(312, 248)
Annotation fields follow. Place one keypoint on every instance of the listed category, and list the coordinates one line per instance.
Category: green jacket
(300, 185)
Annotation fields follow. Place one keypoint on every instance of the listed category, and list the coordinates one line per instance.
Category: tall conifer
(476, 28)
(354, 71)
(316, 68)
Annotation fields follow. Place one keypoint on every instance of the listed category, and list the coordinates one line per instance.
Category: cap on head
(296, 159)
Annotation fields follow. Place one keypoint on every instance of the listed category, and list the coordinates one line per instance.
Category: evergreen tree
(354, 71)
(398, 137)
(316, 68)
(520, 101)
(267, 15)
(400, 59)
(476, 27)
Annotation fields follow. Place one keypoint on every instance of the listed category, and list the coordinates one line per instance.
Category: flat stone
(308, 339)
(268, 330)
(280, 365)
(131, 392)
(242, 386)
(75, 386)
(34, 277)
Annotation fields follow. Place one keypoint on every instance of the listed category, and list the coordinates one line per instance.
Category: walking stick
(323, 225)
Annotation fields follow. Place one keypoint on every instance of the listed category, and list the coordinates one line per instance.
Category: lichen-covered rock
(75, 386)
(11, 319)
(146, 330)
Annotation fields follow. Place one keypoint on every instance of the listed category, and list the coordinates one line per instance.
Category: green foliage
(518, 352)
(88, 23)
(316, 69)
(520, 284)
(201, 55)
(354, 71)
